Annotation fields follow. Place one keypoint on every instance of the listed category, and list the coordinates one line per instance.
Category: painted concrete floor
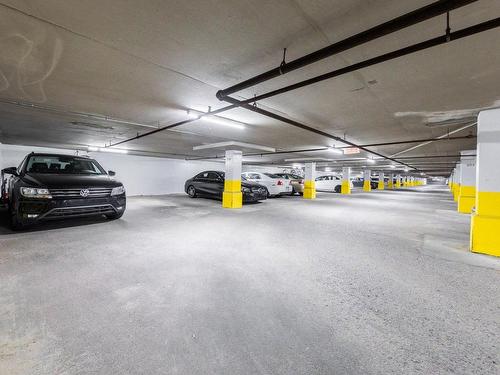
(372, 283)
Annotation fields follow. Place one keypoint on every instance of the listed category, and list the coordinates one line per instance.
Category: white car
(329, 183)
(275, 185)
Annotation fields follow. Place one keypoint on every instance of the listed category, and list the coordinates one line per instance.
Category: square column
(309, 181)
(485, 223)
(367, 180)
(398, 181)
(381, 182)
(346, 181)
(232, 196)
(467, 191)
(390, 184)
(456, 187)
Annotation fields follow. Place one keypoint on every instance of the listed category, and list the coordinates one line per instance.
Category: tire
(338, 189)
(191, 191)
(115, 216)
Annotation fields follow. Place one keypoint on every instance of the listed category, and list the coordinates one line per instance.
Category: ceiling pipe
(310, 129)
(434, 42)
(441, 137)
(488, 25)
(412, 18)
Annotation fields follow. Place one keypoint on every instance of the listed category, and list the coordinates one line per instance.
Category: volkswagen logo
(84, 192)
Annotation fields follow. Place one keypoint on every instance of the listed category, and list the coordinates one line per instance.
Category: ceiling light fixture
(370, 160)
(107, 149)
(335, 150)
(215, 119)
(393, 166)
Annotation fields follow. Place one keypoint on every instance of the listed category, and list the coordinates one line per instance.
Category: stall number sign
(351, 150)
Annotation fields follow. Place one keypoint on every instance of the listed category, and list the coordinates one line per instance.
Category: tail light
(280, 182)
(301, 182)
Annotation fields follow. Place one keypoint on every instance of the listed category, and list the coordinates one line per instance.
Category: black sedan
(52, 186)
(211, 184)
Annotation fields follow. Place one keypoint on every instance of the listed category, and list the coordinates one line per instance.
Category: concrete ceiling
(148, 62)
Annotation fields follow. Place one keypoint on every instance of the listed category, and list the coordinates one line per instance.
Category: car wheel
(191, 191)
(338, 189)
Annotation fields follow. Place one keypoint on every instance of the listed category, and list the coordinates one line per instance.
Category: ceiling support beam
(329, 148)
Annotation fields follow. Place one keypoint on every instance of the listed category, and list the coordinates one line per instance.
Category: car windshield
(62, 164)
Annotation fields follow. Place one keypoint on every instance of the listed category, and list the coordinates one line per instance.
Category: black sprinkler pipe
(422, 14)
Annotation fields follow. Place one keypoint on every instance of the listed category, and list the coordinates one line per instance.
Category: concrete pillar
(485, 223)
(309, 181)
(456, 188)
(381, 183)
(232, 196)
(346, 181)
(390, 184)
(467, 191)
(398, 181)
(367, 180)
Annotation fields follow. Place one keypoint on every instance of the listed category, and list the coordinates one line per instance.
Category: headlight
(35, 193)
(118, 190)
(245, 190)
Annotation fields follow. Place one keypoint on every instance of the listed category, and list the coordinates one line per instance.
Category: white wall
(141, 175)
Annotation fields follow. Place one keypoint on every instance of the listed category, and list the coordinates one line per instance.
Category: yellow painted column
(232, 196)
(467, 191)
(309, 181)
(398, 181)
(367, 180)
(381, 182)
(456, 187)
(485, 219)
(346, 181)
(390, 183)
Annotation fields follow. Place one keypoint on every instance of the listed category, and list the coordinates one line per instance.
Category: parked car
(53, 186)
(275, 185)
(329, 183)
(211, 184)
(296, 181)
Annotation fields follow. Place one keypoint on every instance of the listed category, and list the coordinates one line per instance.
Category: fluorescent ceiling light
(107, 149)
(393, 166)
(328, 169)
(215, 119)
(296, 166)
(370, 160)
(406, 169)
(335, 150)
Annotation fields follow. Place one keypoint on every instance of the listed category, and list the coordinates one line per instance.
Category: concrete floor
(372, 283)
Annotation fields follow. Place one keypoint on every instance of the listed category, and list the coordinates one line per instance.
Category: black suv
(52, 186)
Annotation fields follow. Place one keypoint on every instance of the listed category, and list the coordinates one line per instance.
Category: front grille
(95, 192)
(79, 211)
(258, 190)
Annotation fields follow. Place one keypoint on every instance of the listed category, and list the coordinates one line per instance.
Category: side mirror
(10, 170)
(111, 173)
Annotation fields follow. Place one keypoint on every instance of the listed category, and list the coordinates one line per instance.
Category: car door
(320, 183)
(215, 184)
(201, 183)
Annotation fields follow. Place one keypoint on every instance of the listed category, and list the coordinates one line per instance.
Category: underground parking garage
(285, 187)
